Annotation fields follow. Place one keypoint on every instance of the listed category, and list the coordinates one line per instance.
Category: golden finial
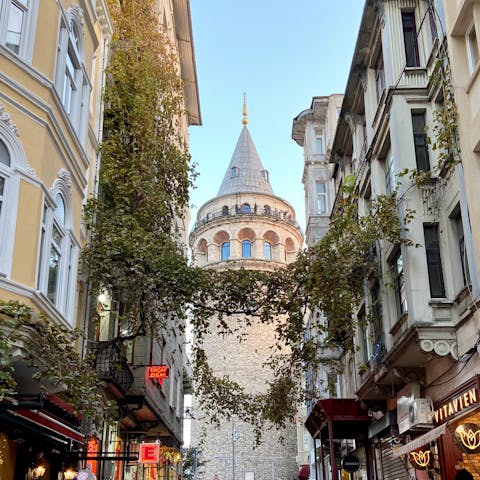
(245, 120)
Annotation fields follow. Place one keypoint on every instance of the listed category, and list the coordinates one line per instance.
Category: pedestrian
(462, 472)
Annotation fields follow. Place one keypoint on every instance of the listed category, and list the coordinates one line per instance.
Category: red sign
(93, 448)
(158, 371)
(149, 453)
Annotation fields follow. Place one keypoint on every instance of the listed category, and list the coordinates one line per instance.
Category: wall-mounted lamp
(101, 303)
(39, 471)
(69, 474)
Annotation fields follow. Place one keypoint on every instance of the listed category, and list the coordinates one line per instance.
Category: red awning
(345, 414)
(304, 472)
(63, 405)
(49, 423)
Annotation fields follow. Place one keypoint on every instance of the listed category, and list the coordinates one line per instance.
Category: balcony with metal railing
(111, 365)
(247, 210)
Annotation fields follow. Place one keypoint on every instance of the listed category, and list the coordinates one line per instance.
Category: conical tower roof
(245, 172)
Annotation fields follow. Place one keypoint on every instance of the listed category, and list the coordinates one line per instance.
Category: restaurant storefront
(455, 437)
(36, 435)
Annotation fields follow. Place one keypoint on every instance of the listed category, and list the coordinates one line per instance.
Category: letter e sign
(149, 453)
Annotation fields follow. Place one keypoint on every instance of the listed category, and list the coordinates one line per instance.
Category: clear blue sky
(281, 53)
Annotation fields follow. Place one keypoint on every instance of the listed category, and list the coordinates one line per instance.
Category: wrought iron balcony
(111, 365)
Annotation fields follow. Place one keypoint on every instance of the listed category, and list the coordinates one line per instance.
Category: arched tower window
(225, 210)
(246, 208)
(246, 249)
(202, 248)
(290, 250)
(225, 251)
(234, 172)
(267, 250)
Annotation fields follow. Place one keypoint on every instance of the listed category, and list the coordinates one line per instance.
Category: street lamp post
(235, 437)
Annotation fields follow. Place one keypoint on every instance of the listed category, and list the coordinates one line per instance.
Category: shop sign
(149, 453)
(421, 459)
(93, 446)
(467, 436)
(456, 405)
(158, 372)
(350, 463)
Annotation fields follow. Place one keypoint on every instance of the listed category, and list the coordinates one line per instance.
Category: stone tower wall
(243, 360)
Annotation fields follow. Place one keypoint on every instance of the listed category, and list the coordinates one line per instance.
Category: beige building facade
(51, 82)
(245, 226)
(52, 59)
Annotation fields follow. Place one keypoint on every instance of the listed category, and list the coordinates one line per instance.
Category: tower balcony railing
(248, 211)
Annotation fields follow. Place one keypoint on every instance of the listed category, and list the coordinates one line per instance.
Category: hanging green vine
(135, 254)
(134, 250)
(444, 136)
(444, 139)
(51, 350)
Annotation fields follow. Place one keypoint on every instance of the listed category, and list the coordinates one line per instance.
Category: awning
(346, 414)
(63, 405)
(420, 441)
(48, 423)
(304, 471)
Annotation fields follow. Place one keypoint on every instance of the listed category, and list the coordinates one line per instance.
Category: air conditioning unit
(413, 412)
(420, 414)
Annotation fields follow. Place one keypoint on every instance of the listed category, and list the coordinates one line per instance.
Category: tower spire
(245, 119)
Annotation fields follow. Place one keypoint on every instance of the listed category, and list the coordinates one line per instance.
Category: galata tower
(245, 225)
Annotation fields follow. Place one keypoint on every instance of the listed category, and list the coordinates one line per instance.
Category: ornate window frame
(57, 238)
(71, 80)
(29, 10)
(11, 174)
